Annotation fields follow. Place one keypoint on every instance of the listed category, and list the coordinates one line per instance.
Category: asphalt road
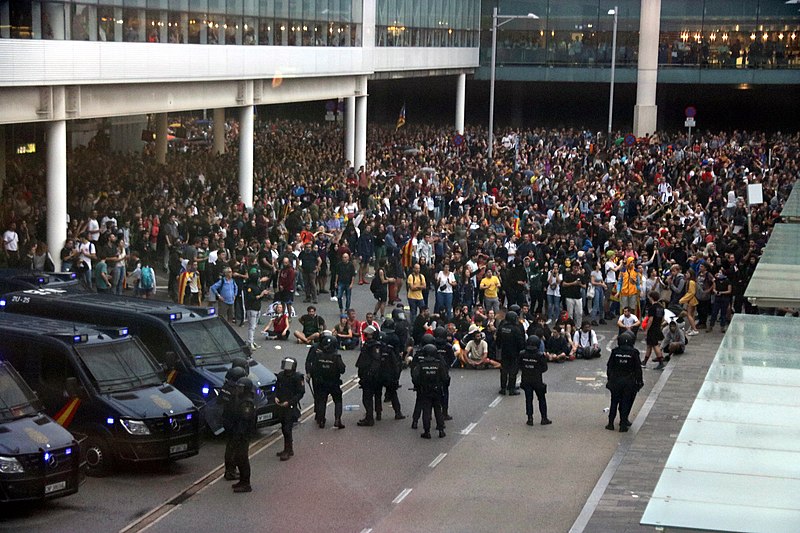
(491, 472)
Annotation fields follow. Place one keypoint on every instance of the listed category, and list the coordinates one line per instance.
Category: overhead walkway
(776, 280)
(791, 209)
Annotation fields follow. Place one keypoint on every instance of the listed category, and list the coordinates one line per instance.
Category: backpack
(375, 285)
(148, 280)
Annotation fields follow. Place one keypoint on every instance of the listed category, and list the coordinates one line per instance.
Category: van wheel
(99, 459)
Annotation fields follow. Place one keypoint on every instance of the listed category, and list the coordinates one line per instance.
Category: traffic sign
(630, 139)
(689, 123)
(458, 139)
(691, 111)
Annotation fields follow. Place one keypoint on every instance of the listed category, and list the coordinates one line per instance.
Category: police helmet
(512, 316)
(440, 332)
(429, 350)
(327, 343)
(427, 339)
(370, 331)
(398, 314)
(533, 342)
(235, 373)
(388, 324)
(515, 308)
(244, 385)
(626, 338)
(288, 364)
(240, 362)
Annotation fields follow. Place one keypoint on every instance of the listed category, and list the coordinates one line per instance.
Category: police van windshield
(209, 341)
(117, 366)
(16, 399)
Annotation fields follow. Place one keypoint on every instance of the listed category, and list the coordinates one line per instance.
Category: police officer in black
(624, 372)
(391, 367)
(288, 390)
(416, 359)
(369, 367)
(227, 398)
(445, 350)
(533, 363)
(242, 431)
(325, 366)
(402, 328)
(429, 377)
(510, 342)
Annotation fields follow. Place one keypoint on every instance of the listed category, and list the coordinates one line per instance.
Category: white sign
(689, 123)
(755, 194)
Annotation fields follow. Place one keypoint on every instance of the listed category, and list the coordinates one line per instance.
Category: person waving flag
(401, 119)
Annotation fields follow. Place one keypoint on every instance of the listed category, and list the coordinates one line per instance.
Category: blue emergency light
(68, 451)
(110, 421)
(212, 311)
(205, 390)
(189, 416)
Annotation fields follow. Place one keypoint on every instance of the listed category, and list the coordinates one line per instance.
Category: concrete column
(161, 138)
(350, 129)
(645, 111)
(56, 189)
(461, 93)
(246, 155)
(2, 158)
(219, 131)
(360, 156)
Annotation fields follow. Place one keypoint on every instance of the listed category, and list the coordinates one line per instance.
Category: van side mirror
(72, 387)
(171, 359)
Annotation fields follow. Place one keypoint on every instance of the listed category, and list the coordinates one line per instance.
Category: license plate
(265, 416)
(55, 487)
(178, 448)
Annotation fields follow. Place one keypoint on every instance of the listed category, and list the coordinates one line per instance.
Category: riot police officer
(416, 359)
(391, 367)
(244, 414)
(445, 350)
(429, 377)
(510, 342)
(289, 388)
(402, 328)
(533, 363)
(369, 366)
(227, 398)
(624, 372)
(325, 366)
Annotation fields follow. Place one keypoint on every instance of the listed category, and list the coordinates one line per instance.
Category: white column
(645, 111)
(246, 155)
(161, 138)
(2, 158)
(360, 157)
(56, 189)
(219, 131)
(461, 93)
(350, 129)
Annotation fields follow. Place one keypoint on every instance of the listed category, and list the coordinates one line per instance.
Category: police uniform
(227, 398)
(446, 354)
(533, 363)
(242, 430)
(391, 366)
(429, 377)
(325, 366)
(624, 372)
(289, 388)
(369, 365)
(510, 342)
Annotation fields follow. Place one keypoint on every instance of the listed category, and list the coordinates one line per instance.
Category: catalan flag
(517, 231)
(407, 253)
(401, 119)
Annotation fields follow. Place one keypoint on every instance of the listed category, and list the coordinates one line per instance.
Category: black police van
(103, 383)
(17, 279)
(38, 458)
(196, 346)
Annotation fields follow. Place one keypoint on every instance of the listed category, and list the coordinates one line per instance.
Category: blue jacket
(225, 290)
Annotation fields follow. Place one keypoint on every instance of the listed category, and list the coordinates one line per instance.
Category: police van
(196, 346)
(38, 458)
(103, 383)
(17, 279)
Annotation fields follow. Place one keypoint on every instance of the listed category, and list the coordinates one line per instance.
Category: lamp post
(505, 20)
(614, 12)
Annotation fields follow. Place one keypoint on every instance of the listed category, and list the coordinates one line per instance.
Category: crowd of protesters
(569, 230)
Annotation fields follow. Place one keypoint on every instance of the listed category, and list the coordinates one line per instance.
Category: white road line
(160, 518)
(402, 495)
(469, 428)
(496, 401)
(366, 530)
(437, 460)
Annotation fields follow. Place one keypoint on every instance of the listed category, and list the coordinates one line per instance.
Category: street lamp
(505, 20)
(614, 12)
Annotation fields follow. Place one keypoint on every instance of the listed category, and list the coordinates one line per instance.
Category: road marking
(584, 379)
(366, 530)
(402, 495)
(469, 428)
(496, 401)
(437, 460)
(160, 518)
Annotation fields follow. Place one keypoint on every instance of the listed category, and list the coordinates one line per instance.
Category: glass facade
(233, 22)
(694, 33)
(439, 23)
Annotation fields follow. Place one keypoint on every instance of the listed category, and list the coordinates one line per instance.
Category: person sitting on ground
(567, 324)
(476, 352)
(557, 348)
(313, 326)
(356, 326)
(278, 325)
(586, 343)
(674, 342)
(628, 322)
(344, 334)
(370, 321)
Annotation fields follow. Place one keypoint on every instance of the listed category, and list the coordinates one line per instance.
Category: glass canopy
(735, 465)
(791, 209)
(776, 280)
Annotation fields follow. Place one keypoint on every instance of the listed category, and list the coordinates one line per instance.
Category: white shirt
(93, 228)
(611, 275)
(86, 248)
(584, 340)
(445, 280)
(628, 320)
(11, 241)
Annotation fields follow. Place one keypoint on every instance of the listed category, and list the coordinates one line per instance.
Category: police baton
(310, 385)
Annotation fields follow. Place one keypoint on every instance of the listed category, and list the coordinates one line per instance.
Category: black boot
(399, 416)
(426, 435)
(287, 453)
(242, 487)
(231, 476)
(442, 434)
(447, 415)
(321, 423)
(610, 426)
(530, 421)
(338, 424)
(365, 422)
(414, 424)
(546, 421)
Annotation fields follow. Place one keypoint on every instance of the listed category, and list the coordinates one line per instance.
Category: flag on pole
(401, 119)
(407, 253)
(517, 231)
